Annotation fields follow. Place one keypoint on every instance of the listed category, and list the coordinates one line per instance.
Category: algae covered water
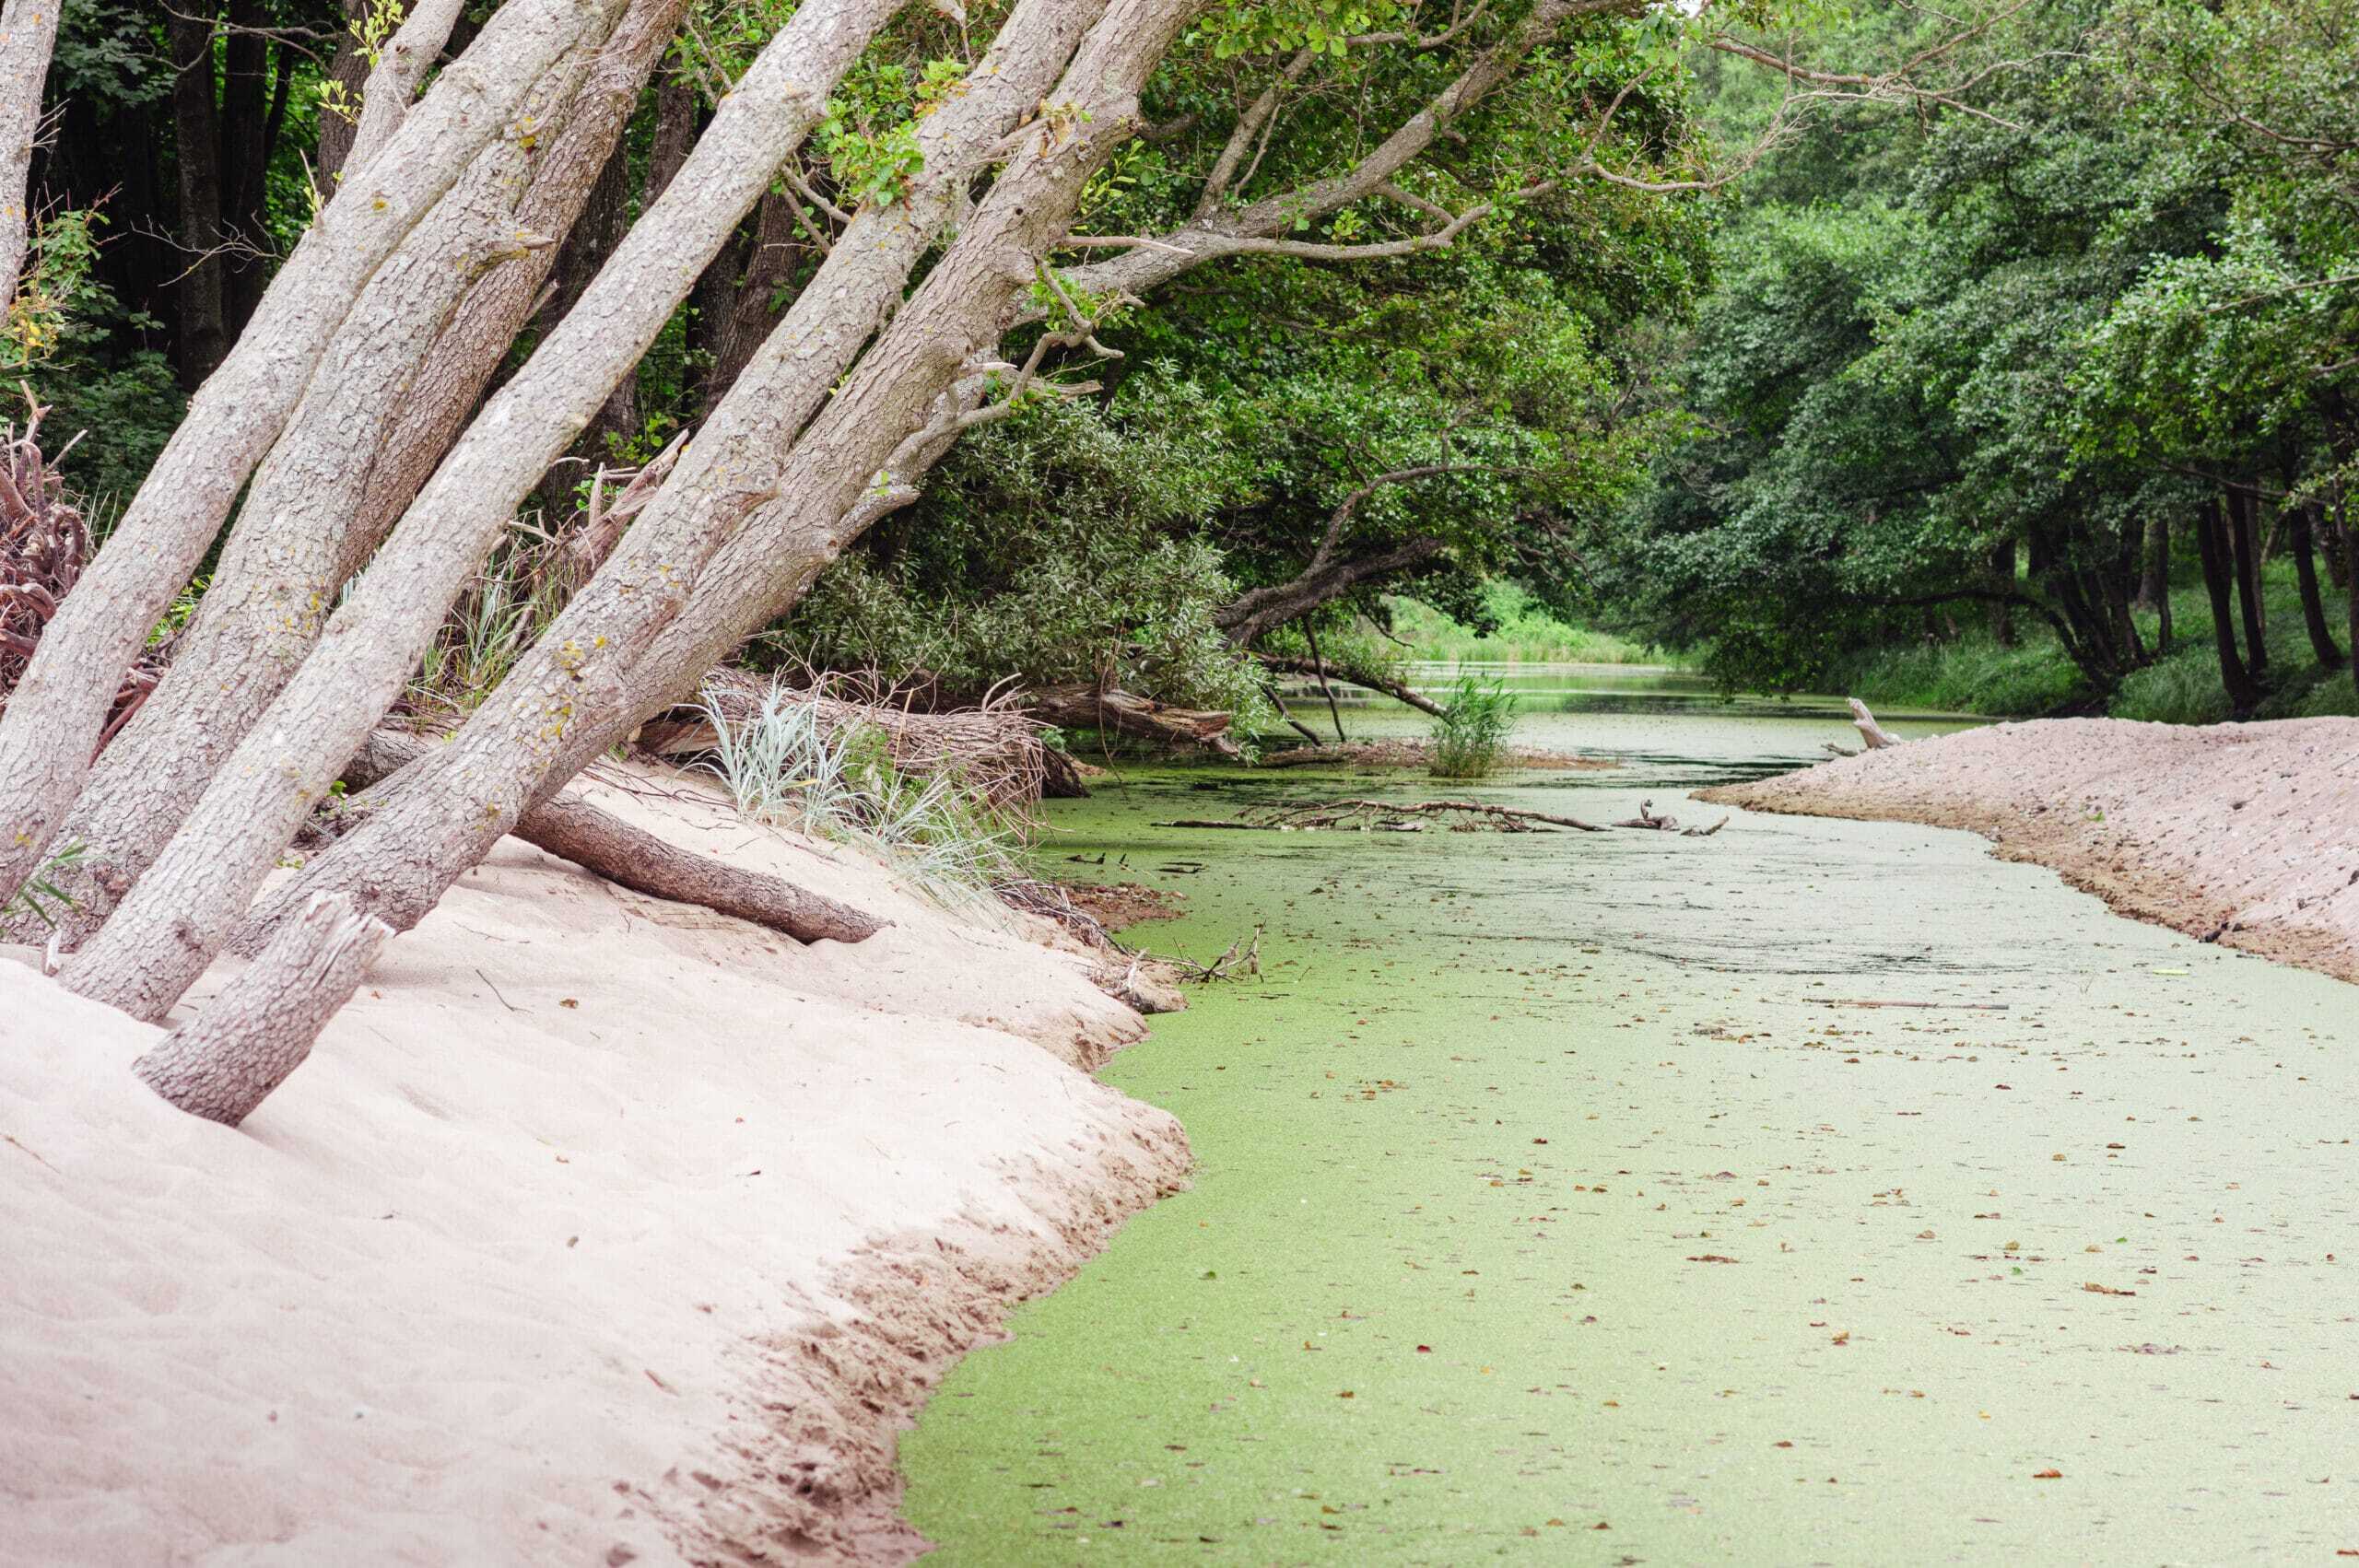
(1555, 1204)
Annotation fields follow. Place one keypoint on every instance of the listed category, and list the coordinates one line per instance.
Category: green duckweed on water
(1545, 1211)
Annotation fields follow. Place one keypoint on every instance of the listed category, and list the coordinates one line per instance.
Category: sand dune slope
(596, 1230)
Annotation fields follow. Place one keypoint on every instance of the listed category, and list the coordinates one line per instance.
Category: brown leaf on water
(2095, 1289)
(1710, 1257)
(1844, 1338)
(2047, 1475)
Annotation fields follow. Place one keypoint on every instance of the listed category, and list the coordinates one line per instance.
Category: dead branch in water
(1412, 816)
(1877, 737)
(1951, 1006)
(1242, 957)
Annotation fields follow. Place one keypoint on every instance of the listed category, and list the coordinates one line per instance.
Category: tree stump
(226, 1059)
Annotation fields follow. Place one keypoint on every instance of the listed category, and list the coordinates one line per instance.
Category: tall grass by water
(1471, 736)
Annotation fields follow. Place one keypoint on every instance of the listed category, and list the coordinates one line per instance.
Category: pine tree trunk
(50, 727)
(578, 690)
(226, 1060)
(28, 38)
(188, 904)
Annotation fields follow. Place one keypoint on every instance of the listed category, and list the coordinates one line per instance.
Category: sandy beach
(596, 1229)
(2247, 834)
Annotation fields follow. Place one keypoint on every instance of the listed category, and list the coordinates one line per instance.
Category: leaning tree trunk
(28, 38)
(188, 904)
(587, 683)
(390, 85)
(226, 1060)
(307, 526)
(50, 727)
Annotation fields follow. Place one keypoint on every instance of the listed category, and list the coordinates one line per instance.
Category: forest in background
(2035, 398)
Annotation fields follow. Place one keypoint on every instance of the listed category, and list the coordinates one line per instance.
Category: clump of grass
(783, 763)
(1471, 736)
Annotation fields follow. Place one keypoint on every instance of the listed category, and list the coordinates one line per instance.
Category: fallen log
(1125, 713)
(1381, 816)
(605, 845)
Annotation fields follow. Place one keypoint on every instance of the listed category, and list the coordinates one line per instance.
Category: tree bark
(2244, 541)
(390, 84)
(49, 731)
(226, 1060)
(185, 908)
(2305, 521)
(2219, 567)
(348, 69)
(296, 539)
(580, 688)
(28, 38)
(201, 297)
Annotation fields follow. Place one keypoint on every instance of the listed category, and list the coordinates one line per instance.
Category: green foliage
(1060, 544)
(1515, 628)
(1471, 737)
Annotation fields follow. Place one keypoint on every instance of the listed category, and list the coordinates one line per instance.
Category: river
(1552, 1205)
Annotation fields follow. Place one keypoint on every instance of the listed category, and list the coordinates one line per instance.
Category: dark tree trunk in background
(2244, 541)
(245, 108)
(2003, 578)
(676, 116)
(2305, 522)
(201, 300)
(348, 69)
(606, 218)
(2219, 568)
(762, 264)
(2351, 583)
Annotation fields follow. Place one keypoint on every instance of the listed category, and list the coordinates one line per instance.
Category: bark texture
(390, 84)
(185, 908)
(28, 38)
(579, 688)
(50, 730)
(226, 1060)
(305, 526)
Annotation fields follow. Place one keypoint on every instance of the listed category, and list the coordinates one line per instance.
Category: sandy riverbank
(598, 1230)
(2245, 835)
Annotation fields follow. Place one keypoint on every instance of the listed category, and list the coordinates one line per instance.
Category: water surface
(1546, 1213)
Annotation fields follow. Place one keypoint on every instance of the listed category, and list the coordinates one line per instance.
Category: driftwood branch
(226, 1059)
(1358, 815)
(1877, 737)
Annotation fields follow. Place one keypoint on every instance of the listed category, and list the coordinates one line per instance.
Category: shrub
(1470, 738)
